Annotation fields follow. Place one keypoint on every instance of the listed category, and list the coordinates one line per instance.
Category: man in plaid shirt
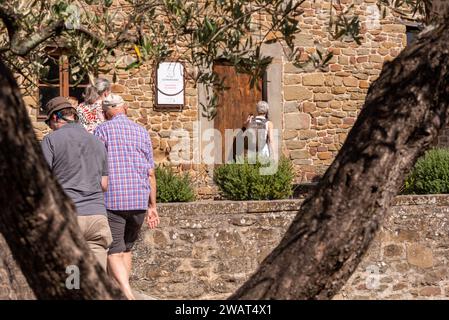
(131, 194)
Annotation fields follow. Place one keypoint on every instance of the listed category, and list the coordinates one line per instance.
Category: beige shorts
(96, 232)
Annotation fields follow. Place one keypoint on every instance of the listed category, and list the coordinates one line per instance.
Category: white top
(265, 152)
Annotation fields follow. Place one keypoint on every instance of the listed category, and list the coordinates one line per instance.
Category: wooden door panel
(235, 103)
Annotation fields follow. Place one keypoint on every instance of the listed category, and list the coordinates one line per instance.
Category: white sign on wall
(170, 84)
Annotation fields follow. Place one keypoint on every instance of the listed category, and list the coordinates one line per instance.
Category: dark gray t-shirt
(78, 159)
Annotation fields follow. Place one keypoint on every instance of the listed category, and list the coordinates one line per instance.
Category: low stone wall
(205, 250)
(409, 257)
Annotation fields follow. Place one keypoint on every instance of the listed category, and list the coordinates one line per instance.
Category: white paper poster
(170, 84)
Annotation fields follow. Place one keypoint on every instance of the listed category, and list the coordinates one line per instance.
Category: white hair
(93, 92)
(102, 85)
(262, 107)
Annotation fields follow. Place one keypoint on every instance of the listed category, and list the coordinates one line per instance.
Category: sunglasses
(58, 116)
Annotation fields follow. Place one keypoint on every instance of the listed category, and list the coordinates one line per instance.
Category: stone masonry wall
(205, 250)
(443, 139)
(136, 88)
(320, 107)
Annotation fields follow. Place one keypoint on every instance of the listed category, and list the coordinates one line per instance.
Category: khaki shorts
(96, 232)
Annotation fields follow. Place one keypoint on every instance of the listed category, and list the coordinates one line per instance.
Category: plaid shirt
(130, 157)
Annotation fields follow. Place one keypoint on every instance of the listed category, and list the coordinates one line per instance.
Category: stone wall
(410, 257)
(320, 107)
(205, 250)
(443, 138)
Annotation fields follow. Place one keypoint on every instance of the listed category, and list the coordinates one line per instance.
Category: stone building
(313, 110)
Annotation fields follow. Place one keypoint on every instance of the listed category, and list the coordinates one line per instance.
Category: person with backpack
(262, 131)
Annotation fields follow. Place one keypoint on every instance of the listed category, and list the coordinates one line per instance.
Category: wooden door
(235, 104)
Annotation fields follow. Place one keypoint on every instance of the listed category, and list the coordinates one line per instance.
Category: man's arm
(152, 215)
(47, 150)
(248, 120)
(104, 170)
(152, 203)
(104, 183)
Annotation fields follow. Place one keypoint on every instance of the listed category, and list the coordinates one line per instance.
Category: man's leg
(134, 223)
(117, 266)
(101, 238)
(127, 257)
(95, 229)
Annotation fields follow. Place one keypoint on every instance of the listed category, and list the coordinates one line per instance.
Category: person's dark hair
(66, 113)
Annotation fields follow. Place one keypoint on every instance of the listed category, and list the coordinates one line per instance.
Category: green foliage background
(244, 181)
(430, 174)
(172, 187)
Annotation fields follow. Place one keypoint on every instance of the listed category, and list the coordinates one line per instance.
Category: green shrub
(430, 174)
(245, 182)
(173, 187)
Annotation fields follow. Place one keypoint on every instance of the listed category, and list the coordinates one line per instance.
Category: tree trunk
(403, 112)
(37, 219)
(13, 284)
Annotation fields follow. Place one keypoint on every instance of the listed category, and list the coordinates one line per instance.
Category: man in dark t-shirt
(78, 160)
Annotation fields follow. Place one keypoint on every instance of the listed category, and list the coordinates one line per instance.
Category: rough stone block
(299, 154)
(430, 291)
(291, 106)
(419, 256)
(297, 93)
(323, 97)
(308, 107)
(393, 251)
(335, 67)
(393, 28)
(295, 144)
(324, 155)
(314, 79)
(297, 121)
(376, 59)
(307, 134)
(289, 134)
(350, 82)
(338, 90)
